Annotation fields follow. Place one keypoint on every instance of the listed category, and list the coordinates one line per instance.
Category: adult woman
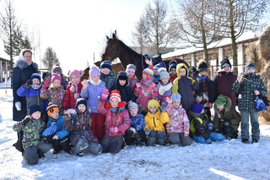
(21, 73)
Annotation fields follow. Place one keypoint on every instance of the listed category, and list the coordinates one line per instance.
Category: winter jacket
(108, 79)
(201, 122)
(32, 97)
(206, 92)
(69, 100)
(92, 94)
(223, 83)
(145, 93)
(179, 121)
(185, 86)
(79, 126)
(167, 93)
(21, 73)
(64, 83)
(156, 121)
(132, 82)
(60, 122)
(156, 78)
(54, 95)
(127, 94)
(245, 91)
(120, 120)
(228, 114)
(137, 122)
(31, 131)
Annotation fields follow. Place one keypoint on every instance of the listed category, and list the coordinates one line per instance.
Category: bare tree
(50, 58)
(34, 34)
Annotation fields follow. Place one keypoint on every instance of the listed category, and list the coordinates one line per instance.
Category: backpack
(192, 127)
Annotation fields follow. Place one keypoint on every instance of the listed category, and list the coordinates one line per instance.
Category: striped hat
(148, 72)
(52, 108)
(115, 94)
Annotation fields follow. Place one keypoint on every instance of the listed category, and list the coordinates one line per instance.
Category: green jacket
(228, 114)
(245, 91)
(32, 131)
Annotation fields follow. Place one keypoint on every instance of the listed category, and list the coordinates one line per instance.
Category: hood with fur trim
(227, 107)
(22, 64)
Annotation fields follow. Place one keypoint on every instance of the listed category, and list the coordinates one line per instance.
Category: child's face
(144, 76)
(48, 78)
(114, 102)
(74, 79)
(56, 83)
(133, 112)
(182, 72)
(122, 82)
(36, 115)
(220, 108)
(251, 70)
(153, 109)
(176, 104)
(204, 73)
(95, 78)
(165, 80)
(173, 72)
(105, 70)
(36, 81)
(130, 73)
(81, 108)
(191, 74)
(156, 72)
(227, 69)
(55, 115)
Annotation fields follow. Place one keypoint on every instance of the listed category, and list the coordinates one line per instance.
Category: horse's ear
(114, 36)
(107, 37)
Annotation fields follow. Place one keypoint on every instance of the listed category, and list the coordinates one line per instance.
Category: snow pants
(255, 126)
(98, 127)
(156, 135)
(179, 138)
(84, 146)
(112, 144)
(229, 131)
(31, 153)
(213, 136)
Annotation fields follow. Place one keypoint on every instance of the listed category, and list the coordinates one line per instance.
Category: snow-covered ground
(220, 160)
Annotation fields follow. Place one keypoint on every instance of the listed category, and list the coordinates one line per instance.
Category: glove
(28, 84)
(46, 83)
(114, 129)
(226, 123)
(210, 126)
(105, 93)
(216, 130)
(26, 120)
(147, 131)
(208, 141)
(163, 107)
(71, 111)
(131, 132)
(18, 106)
(67, 116)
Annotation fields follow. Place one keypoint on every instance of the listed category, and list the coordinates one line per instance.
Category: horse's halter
(113, 51)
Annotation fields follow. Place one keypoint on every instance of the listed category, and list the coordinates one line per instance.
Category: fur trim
(227, 107)
(22, 64)
(95, 83)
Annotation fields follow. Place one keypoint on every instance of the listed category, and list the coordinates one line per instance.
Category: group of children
(104, 113)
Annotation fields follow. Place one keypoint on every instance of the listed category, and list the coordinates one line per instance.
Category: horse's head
(112, 50)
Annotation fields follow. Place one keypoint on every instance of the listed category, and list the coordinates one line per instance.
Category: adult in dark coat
(21, 73)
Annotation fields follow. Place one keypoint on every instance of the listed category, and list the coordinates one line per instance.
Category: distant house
(4, 65)
(151, 52)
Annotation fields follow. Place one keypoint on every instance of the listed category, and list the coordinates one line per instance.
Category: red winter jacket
(70, 101)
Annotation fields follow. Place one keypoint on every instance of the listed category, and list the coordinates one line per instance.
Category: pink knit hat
(76, 73)
(94, 70)
(55, 76)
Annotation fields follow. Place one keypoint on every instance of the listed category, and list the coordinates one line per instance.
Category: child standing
(164, 86)
(172, 70)
(73, 90)
(79, 124)
(132, 79)
(154, 123)
(146, 90)
(178, 126)
(92, 91)
(117, 120)
(247, 87)
(32, 127)
(106, 75)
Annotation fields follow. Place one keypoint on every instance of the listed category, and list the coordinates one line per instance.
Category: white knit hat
(163, 73)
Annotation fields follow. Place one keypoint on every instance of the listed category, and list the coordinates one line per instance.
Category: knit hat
(57, 69)
(148, 72)
(52, 108)
(56, 76)
(176, 97)
(250, 65)
(94, 70)
(115, 94)
(221, 100)
(192, 69)
(202, 66)
(81, 101)
(225, 62)
(131, 67)
(122, 75)
(163, 73)
(153, 102)
(133, 105)
(172, 64)
(197, 108)
(157, 66)
(76, 73)
(36, 75)
(45, 74)
(34, 108)
(106, 64)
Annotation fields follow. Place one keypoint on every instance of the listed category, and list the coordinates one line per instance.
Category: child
(201, 126)
(79, 124)
(205, 95)
(73, 90)
(226, 120)
(154, 123)
(32, 127)
(117, 120)
(178, 126)
(247, 87)
(60, 139)
(92, 90)
(127, 94)
(193, 73)
(164, 86)
(156, 74)
(55, 93)
(46, 75)
(146, 90)
(132, 79)
(32, 92)
(58, 70)
(135, 131)
(106, 75)
(172, 70)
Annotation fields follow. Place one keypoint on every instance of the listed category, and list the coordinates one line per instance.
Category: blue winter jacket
(137, 122)
(60, 122)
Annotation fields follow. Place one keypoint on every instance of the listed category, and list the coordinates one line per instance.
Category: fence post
(6, 82)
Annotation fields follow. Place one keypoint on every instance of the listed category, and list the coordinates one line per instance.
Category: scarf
(35, 86)
(114, 109)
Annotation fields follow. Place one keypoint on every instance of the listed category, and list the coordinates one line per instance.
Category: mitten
(208, 141)
(131, 132)
(147, 131)
(73, 89)
(105, 93)
(226, 123)
(77, 96)
(210, 126)
(26, 120)
(67, 116)
(114, 129)
(18, 106)
(28, 84)
(46, 83)
(163, 107)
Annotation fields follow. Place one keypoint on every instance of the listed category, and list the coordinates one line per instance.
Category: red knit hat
(55, 76)
(115, 94)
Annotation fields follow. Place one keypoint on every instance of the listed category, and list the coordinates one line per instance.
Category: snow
(220, 160)
(4, 85)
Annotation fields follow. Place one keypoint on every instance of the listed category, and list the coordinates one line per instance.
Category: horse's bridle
(113, 51)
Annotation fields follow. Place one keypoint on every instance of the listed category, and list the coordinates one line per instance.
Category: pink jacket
(178, 120)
